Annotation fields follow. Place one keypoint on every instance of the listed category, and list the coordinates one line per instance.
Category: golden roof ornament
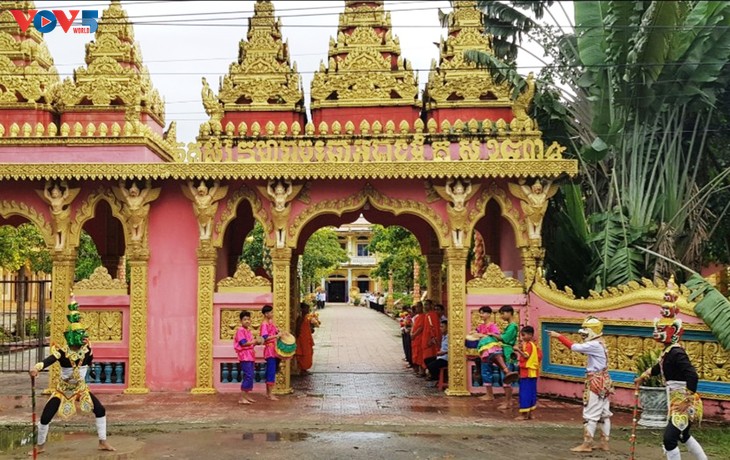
(263, 79)
(365, 67)
(114, 76)
(27, 73)
(456, 82)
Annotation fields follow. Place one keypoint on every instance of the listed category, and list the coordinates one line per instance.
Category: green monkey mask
(75, 333)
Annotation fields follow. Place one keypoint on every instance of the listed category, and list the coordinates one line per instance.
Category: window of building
(362, 250)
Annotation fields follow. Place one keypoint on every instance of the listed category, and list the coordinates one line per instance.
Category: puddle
(276, 436)
(425, 409)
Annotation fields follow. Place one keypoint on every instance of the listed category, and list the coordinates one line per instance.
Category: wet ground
(359, 402)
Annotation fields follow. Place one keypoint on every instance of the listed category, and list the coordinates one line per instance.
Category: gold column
(62, 277)
(204, 348)
(434, 262)
(281, 259)
(456, 279)
(138, 258)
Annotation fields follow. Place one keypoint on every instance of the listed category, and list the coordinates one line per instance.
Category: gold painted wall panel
(230, 323)
(103, 325)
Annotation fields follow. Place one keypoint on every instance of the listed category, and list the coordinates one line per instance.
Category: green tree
(397, 249)
(87, 257)
(322, 255)
(23, 246)
(255, 253)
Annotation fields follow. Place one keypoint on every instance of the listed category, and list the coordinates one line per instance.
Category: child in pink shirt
(243, 343)
(270, 333)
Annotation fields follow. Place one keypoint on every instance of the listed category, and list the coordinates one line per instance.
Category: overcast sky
(194, 39)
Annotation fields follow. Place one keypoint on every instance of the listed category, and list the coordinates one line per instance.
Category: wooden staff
(634, 422)
(35, 428)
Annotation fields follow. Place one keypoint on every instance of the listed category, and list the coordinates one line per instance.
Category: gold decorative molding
(493, 191)
(494, 281)
(62, 277)
(456, 278)
(613, 298)
(115, 73)
(204, 341)
(244, 280)
(376, 199)
(138, 324)
(281, 259)
(365, 68)
(229, 213)
(100, 283)
(103, 325)
(230, 322)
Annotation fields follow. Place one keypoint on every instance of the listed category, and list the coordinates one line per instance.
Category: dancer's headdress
(75, 332)
(592, 328)
(668, 329)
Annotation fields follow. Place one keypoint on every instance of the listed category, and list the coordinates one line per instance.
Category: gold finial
(365, 64)
(264, 78)
(456, 82)
(114, 72)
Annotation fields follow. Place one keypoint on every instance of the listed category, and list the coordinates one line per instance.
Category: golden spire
(27, 74)
(263, 79)
(456, 82)
(365, 67)
(114, 75)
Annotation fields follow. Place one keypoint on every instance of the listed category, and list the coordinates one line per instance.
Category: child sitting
(490, 351)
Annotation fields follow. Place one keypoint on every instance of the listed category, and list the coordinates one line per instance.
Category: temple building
(462, 162)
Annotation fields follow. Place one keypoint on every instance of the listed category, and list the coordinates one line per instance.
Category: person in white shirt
(598, 385)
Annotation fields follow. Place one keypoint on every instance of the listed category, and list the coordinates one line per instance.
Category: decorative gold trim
(494, 192)
(281, 266)
(384, 170)
(62, 276)
(620, 322)
(229, 213)
(456, 278)
(13, 208)
(100, 283)
(494, 281)
(103, 325)
(244, 280)
(204, 352)
(613, 298)
(382, 202)
(138, 324)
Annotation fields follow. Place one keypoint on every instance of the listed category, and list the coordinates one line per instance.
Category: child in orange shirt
(530, 356)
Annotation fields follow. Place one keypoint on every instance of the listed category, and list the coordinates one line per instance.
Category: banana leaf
(712, 307)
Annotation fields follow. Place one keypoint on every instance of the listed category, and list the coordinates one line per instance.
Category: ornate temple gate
(463, 166)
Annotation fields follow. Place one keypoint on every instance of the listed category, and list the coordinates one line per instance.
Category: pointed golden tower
(27, 74)
(366, 78)
(114, 87)
(262, 85)
(456, 88)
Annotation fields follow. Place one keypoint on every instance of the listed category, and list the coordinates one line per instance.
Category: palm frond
(712, 307)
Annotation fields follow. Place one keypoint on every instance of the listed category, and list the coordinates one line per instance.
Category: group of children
(509, 349)
(244, 343)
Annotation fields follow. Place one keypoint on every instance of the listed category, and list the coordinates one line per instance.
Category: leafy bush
(645, 361)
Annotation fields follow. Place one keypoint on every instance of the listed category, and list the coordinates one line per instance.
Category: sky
(182, 41)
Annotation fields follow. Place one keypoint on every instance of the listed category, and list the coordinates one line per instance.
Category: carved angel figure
(280, 194)
(59, 198)
(456, 192)
(205, 204)
(135, 207)
(534, 203)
